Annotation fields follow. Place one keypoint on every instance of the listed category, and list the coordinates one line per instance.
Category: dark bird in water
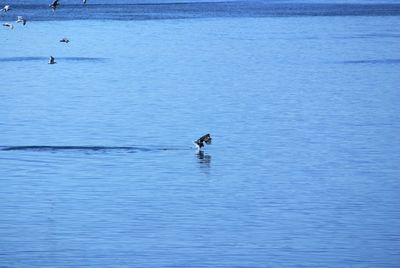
(6, 8)
(84, 1)
(54, 5)
(9, 25)
(200, 141)
(64, 40)
(52, 60)
(21, 19)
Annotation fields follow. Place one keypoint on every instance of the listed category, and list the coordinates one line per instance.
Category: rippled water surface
(97, 166)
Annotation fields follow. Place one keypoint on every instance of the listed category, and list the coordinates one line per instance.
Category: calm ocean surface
(302, 100)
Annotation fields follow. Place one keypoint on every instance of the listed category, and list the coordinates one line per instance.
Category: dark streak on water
(380, 61)
(86, 59)
(372, 35)
(89, 148)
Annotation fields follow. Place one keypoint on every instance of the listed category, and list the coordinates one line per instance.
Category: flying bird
(9, 25)
(64, 40)
(200, 141)
(52, 60)
(54, 5)
(21, 19)
(6, 8)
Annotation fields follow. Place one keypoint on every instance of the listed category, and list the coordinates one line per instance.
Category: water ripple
(380, 61)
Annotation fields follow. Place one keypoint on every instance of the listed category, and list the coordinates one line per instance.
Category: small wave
(382, 61)
(130, 149)
(370, 35)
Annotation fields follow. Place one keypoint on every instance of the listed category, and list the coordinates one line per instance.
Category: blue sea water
(97, 166)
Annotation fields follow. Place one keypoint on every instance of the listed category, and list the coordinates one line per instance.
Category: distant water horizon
(74, 10)
(111, 2)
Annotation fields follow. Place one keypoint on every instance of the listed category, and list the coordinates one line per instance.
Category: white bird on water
(6, 8)
(9, 25)
(21, 19)
(52, 60)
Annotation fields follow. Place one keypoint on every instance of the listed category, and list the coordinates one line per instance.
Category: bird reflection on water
(204, 160)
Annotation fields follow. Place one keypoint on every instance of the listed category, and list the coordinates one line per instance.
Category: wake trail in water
(79, 59)
(129, 149)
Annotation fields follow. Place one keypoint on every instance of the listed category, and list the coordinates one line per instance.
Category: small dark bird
(64, 40)
(21, 19)
(9, 25)
(6, 8)
(84, 1)
(200, 141)
(52, 60)
(54, 5)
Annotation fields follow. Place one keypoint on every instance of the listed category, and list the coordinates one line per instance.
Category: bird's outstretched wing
(205, 138)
